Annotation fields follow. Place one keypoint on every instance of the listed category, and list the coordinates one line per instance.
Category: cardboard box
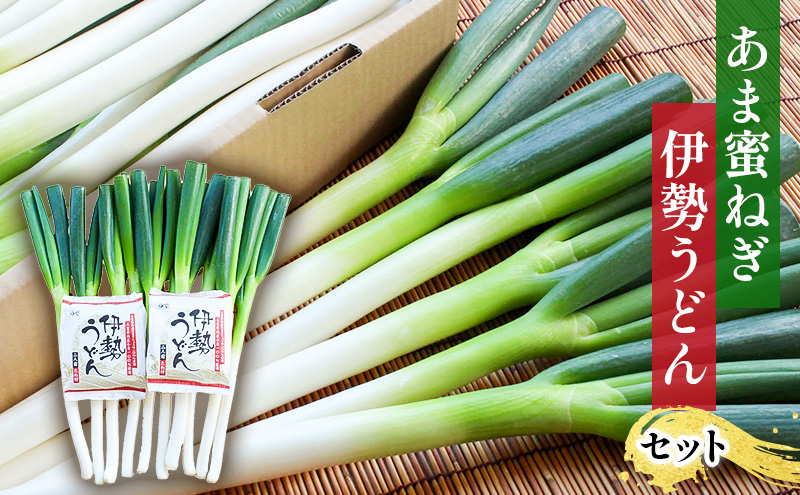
(308, 130)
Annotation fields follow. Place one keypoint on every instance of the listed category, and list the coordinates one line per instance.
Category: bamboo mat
(663, 35)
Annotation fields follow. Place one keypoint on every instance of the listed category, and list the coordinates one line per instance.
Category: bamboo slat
(663, 35)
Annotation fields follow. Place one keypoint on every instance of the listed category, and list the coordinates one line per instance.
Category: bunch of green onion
(147, 234)
(229, 232)
(66, 260)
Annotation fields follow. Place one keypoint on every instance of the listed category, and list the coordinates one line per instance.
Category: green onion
(142, 246)
(480, 179)
(87, 131)
(53, 253)
(273, 16)
(432, 141)
(13, 249)
(188, 218)
(606, 398)
(467, 235)
(549, 329)
(163, 197)
(263, 224)
(26, 160)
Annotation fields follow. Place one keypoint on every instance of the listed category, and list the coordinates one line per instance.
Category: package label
(101, 347)
(189, 346)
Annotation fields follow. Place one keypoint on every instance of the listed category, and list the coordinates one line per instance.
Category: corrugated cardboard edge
(303, 145)
(28, 343)
(334, 61)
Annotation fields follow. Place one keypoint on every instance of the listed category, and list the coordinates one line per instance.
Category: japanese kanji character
(200, 343)
(678, 200)
(692, 147)
(204, 319)
(110, 322)
(745, 152)
(111, 348)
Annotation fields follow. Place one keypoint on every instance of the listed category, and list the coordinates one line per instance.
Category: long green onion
(188, 218)
(53, 251)
(84, 134)
(465, 236)
(194, 134)
(275, 15)
(509, 164)
(165, 196)
(263, 223)
(520, 280)
(438, 135)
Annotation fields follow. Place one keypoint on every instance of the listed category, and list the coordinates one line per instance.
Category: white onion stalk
(145, 450)
(190, 94)
(240, 104)
(5, 4)
(112, 441)
(21, 12)
(51, 28)
(96, 127)
(86, 94)
(129, 440)
(90, 48)
(98, 462)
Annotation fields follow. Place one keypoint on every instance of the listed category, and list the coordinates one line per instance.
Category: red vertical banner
(684, 255)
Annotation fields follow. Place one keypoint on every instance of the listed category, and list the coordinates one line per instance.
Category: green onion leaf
(55, 196)
(77, 238)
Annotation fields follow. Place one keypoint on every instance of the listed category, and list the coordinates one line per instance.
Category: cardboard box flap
(314, 74)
